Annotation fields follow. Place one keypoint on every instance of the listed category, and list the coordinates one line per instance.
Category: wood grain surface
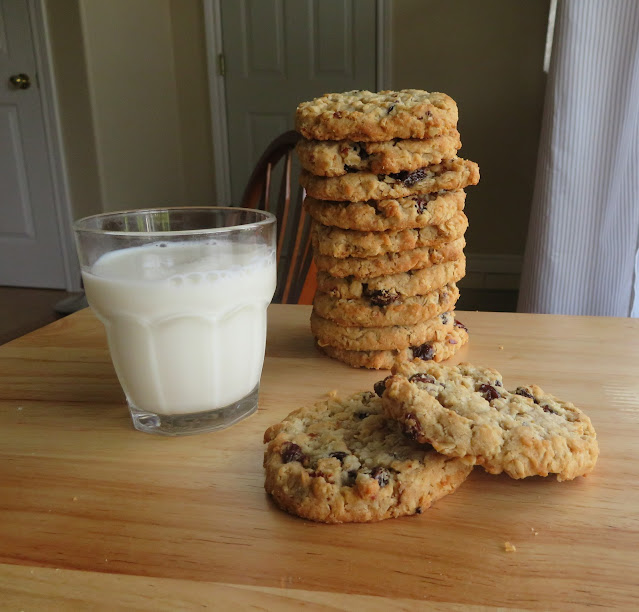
(95, 515)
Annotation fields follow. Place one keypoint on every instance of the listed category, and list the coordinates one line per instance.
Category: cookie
(335, 158)
(391, 214)
(390, 263)
(384, 311)
(383, 290)
(337, 242)
(343, 461)
(464, 411)
(385, 360)
(361, 115)
(352, 338)
(454, 173)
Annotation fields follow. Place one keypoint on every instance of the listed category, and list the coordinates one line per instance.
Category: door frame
(45, 78)
(217, 90)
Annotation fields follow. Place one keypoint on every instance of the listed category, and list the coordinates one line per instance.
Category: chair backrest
(273, 186)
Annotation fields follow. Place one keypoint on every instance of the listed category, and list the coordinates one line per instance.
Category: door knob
(20, 81)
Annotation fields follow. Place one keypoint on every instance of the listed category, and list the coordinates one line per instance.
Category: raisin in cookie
(386, 309)
(415, 211)
(337, 242)
(385, 360)
(454, 173)
(361, 115)
(343, 461)
(381, 290)
(335, 158)
(390, 263)
(465, 412)
(353, 338)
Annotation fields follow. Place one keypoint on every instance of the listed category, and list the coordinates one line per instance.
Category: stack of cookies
(385, 190)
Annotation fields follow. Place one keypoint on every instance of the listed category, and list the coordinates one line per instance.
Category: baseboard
(499, 272)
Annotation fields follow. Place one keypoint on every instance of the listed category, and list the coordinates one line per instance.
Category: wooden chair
(273, 187)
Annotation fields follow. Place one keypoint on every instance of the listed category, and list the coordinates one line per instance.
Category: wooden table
(94, 514)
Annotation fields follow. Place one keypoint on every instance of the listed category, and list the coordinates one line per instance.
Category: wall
(134, 102)
(67, 48)
(129, 54)
(488, 56)
(192, 87)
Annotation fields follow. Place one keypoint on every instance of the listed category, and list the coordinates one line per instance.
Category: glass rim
(268, 218)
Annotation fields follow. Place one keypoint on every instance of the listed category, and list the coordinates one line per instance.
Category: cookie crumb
(536, 533)
(19, 407)
(508, 547)
(501, 347)
(75, 499)
(332, 394)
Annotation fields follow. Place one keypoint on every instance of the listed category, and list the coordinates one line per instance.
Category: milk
(186, 322)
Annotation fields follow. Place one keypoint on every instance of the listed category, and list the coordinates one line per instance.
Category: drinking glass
(183, 294)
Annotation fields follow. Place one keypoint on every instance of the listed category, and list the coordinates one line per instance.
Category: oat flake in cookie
(464, 411)
(344, 461)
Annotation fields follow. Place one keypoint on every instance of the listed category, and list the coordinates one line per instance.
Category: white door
(30, 245)
(279, 53)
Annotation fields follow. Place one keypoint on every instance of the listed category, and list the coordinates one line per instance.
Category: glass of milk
(182, 293)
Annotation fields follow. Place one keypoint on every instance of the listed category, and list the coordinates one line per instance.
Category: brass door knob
(20, 81)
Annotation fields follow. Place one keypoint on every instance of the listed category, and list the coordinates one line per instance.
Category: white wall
(192, 87)
(133, 96)
(131, 77)
(67, 48)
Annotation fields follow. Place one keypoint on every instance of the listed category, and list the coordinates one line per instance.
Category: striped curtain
(582, 254)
